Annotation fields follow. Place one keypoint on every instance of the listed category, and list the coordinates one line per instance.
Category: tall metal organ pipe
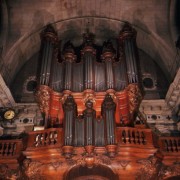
(128, 38)
(69, 57)
(108, 111)
(49, 40)
(70, 113)
(108, 56)
(88, 61)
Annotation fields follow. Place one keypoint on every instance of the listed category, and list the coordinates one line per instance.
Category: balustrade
(134, 136)
(10, 148)
(45, 138)
(169, 144)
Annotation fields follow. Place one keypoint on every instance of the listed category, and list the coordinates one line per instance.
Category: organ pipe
(128, 38)
(108, 111)
(100, 79)
(99, 132)
(49, 40)
(69, 58)
(108, 56)
(88, 60)
(79, 132)
(88, 54)
(70, 112)
(77, 77)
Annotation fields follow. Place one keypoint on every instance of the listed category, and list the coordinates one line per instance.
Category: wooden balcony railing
(128, 136)
(169, 144)
(10, 148)
(48, 138)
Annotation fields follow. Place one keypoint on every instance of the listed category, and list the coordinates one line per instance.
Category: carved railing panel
(10, 148)
(169, 144)
(48, 138)
(128, 136)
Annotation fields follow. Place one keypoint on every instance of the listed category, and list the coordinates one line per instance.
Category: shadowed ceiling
(21, 22)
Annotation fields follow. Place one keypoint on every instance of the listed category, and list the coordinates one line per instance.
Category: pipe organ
(87, 104)
(89, 97)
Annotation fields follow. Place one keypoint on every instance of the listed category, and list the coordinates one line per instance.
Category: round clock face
(9, 114)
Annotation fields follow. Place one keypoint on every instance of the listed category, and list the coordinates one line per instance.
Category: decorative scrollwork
(7, 173)
(90, 160)
(56, 164)
(42, 96)
(135, 97)
(173, 170)
(33, 169)
(153, 168)
(150, 168)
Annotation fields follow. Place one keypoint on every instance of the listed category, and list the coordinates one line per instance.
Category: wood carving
(33, 169)
(172, 171)
(8, 173)
(154, 169)
(43, 98)
(135, 98)
(150, 169)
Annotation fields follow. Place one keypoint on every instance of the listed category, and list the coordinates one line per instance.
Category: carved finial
(127, 31)
(49, 33)
(89, 104)
(68, 47)
(88, 38)
(108, 47)
(68, 52)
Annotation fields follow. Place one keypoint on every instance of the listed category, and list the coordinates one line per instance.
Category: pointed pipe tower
(88, 56)
(49, 40)
(128, 40)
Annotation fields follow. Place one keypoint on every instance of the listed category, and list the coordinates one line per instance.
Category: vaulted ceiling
(22, 21)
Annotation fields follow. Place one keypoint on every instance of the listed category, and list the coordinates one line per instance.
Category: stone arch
(29, 44)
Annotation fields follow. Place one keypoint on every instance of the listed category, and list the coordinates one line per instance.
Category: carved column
(69, 57)
(128, 38)
(49, 39)
(108, 57)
